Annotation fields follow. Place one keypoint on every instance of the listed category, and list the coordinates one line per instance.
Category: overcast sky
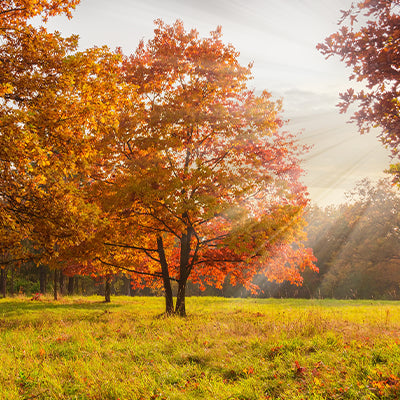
(280, 38)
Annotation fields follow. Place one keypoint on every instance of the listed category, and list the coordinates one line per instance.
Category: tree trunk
(12, 281)
(128, 287)
(70, 286)
(169, 301)
(42, 279)
(107, 290)
(55, 283)
(83, 287)
(61, 281)
(184, 271)
(76, 284)
(180, 299)
(3, 281)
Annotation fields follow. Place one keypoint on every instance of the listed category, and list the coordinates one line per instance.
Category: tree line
(356, 244)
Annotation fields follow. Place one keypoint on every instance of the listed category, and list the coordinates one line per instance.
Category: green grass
(82, 348)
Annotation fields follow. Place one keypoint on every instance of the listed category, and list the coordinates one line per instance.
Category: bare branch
(128, 246)
(215, 260)
(145, 250)
(133, 270)
(215, 239)
(14, 260)
(12, 10)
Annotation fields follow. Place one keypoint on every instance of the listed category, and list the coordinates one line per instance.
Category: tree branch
(17, 260)
(133, 270)
(12, 10)
(146, 251)
(128, 246)
(214, 260)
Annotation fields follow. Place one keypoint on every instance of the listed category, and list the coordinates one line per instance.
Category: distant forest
(356, 244)
(357, 247)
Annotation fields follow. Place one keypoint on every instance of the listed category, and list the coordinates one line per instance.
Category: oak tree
(202, 183)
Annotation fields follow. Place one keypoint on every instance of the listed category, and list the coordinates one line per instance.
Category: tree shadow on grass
(20, 314)
(12, 306)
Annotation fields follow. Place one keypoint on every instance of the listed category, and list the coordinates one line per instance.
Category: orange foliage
(54, 102)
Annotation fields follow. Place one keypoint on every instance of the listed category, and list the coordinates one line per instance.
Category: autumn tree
(369, 43)
(56, 103)
(202, 183)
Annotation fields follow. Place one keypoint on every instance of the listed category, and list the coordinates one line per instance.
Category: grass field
(81, 348)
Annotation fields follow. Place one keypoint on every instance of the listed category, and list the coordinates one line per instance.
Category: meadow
(82, 348)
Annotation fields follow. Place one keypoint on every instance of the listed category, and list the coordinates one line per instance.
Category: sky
(280, 37)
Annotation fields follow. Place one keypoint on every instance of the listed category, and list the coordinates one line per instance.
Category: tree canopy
(55, 103)
(368, 42)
